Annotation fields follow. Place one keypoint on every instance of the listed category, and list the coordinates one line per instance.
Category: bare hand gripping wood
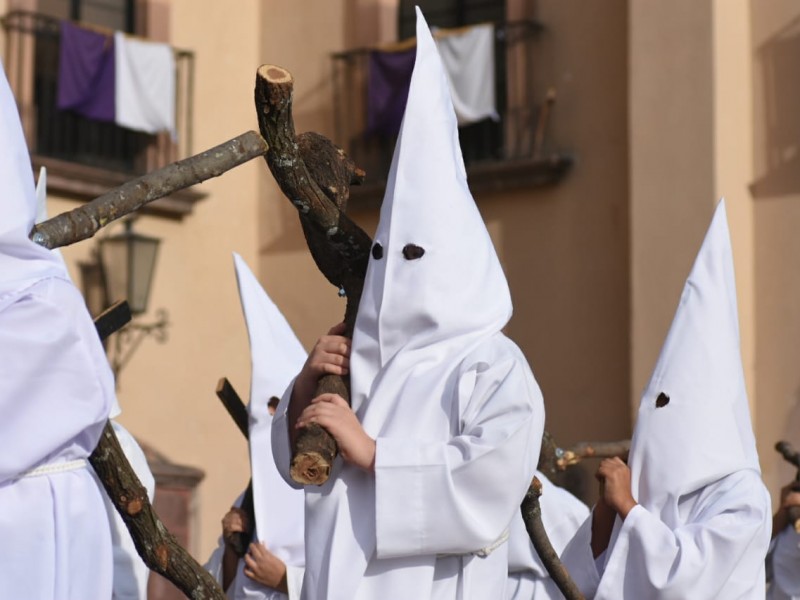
(315, 176)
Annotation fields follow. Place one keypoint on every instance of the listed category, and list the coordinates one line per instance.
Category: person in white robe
(562, 515)
(443, 436)
(689, 517)
(56, 394)
(783, 562)
(272, 569)
(131, 574)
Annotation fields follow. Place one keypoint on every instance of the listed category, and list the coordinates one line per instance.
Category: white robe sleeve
(786, 562)
(458, 496)
(281, 446)
(720, 549)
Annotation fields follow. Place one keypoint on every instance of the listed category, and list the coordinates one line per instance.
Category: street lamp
(128, 260)
(122, 268)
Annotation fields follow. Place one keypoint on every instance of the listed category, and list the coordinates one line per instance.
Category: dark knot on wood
(135, 506)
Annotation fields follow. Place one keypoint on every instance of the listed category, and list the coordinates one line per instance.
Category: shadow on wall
(791, 434)
(779, 58)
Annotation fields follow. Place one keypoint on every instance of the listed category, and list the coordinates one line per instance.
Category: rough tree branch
(532, 515)
(566, 457)
(84, 221)
(315, 176)
(158, 548)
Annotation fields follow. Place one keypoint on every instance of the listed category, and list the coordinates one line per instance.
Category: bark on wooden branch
(791, 456)
(239, 540)
(571, 456)
(532, 515)
(315, 176)
(158, 548)
(84, 221)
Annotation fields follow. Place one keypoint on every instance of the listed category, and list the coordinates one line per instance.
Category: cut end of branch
(310, 468)
(275, 74)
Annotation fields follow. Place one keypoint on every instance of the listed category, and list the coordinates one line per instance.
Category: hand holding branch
(334, 414)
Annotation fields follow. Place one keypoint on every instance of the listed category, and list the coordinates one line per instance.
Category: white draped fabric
(468, 58)
(145, 85)
(785, 559)
(130, 572)
(452, 404)
(702, 526)
(56, 395)
(562, 515)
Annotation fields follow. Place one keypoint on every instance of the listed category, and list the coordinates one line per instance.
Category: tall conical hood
(434, 277)
(276, 357)
(21, 261)
(694, 421)
(42, 214)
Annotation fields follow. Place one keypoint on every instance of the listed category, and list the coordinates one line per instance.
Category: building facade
(597, 207)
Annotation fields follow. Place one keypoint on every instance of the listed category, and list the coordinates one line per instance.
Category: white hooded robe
(451, 402)
(276, 357)
(702, 524)
(57, 391)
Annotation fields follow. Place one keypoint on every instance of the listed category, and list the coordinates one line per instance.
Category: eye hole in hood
(413, 252)
(377, 251)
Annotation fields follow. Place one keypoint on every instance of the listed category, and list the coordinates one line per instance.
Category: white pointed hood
(21, 261)
(277, 356)
(41, 210)
(455, 294)
(418, 319)
(703, 432)
(42, 215)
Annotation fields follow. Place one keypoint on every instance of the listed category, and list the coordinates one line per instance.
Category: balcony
(86, 158)
(510, 153)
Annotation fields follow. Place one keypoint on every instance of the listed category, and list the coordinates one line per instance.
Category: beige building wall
(565, 248)
(775, 58)
(167, 391)
(672, 186)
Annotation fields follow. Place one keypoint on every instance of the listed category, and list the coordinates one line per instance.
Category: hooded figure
(562, 515)
(450, 402)
(276, 356)
(57, 391)
(130, 572)
(784, 559)
(702, 524)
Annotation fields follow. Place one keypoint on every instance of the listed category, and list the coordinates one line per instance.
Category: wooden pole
(158, 548)
(315, 176)
(532, 515)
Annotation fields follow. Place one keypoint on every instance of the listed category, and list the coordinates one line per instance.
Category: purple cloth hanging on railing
(86, 73)
(387, 89)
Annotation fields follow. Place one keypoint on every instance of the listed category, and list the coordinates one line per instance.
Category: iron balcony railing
(512, 138)
(32, 53)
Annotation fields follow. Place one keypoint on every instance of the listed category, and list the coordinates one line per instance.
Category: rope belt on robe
(53, 468)
(483, 552)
